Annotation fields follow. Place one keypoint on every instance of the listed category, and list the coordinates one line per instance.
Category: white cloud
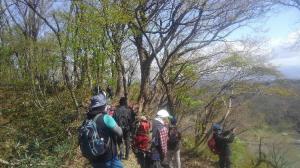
(286, 44)
(293, 38)
(290, 61)
(285, 53)
(287, 41)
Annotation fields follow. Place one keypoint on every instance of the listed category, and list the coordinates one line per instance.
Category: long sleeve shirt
(163, 135)
(159, 139)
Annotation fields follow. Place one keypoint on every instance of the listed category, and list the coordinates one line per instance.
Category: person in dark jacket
(122, 116)
(107, 125)
(223, 139)
(109, 92)
(98, 91)
(134, 108)
(174, 144)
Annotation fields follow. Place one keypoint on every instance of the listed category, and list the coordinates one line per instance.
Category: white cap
(163, 113)
(143, 118)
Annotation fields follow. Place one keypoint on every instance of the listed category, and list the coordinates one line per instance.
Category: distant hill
(276, 119)
(292, 72)
(280, 111)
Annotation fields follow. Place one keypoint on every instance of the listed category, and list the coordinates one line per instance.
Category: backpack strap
(96, 117)
(95, 121)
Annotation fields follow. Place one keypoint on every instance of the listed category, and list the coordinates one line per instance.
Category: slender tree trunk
(68, 81)
(64, 69)
(124, 81)
(83, 72)
(87, 62)
(101, 81)
(75, 69)
(99, 68)
(119, 76)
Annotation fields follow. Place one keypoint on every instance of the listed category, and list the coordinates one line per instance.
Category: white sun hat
(163, 113)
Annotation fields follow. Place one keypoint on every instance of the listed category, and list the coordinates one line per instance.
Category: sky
(280, 31)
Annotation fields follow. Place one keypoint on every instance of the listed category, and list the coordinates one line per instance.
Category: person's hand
(234, 130)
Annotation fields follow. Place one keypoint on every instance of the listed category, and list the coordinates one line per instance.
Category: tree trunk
(124, 80)
(145, 83)
(145, 67)
(101, 81)
(75, 68)
(67, 80)
(88, 72)
(119, 76)
(83, 72)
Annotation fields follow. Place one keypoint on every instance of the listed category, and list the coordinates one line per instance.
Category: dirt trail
(187, 160)
(81, 162)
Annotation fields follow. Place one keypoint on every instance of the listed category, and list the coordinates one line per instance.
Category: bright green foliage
(36, 136)
(240, 154)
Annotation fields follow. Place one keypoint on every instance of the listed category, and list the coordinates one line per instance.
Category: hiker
(174, 145)
(98, 90)
(141, 141)
(159, 139)
(222, 141)
(109, 92)
(134, 120)
(111, 110)
(108, 129)
(122, 116)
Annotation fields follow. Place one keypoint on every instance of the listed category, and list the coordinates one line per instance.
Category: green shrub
(38, 137)
(241, 156)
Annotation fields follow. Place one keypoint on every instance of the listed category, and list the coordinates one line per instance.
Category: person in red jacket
(141, 141)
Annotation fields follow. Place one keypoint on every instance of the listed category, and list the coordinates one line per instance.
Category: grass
(241, 157)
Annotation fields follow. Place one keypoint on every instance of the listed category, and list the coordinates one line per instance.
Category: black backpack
(174, 138)
(93, 144)
(122, 118)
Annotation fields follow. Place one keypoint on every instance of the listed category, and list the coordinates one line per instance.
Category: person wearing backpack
(99, 91)
(109, 92)
(159, 140)
(122, 116)
(174, 145)
(134, 108)
(141, 141)
(222, 140)
(97, 135)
